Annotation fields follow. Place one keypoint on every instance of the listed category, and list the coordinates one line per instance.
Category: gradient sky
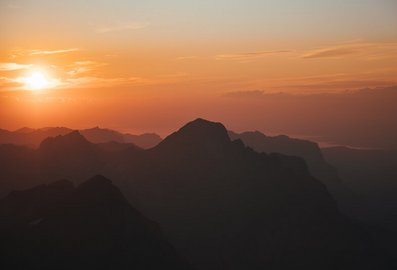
(153, 64)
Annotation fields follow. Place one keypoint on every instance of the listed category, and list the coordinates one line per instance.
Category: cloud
(19, 83)
(371, 50)
(49, 52)
(249, 55)
(13, 66)
(80, 67)
(98, 82)
(325, 83)
(22, 52)
(245, 94)
(122, 27)
(186, 57)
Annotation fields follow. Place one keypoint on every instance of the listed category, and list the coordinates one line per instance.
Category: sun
(36, 81)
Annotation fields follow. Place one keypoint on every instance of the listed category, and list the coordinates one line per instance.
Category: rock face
(311, 152)
(58, 226)
(223, 205)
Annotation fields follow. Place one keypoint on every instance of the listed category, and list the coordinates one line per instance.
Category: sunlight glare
(37, 81)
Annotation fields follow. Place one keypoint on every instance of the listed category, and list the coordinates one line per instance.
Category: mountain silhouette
(220, 203)
(69, 156)
(372, 174)
(92, 226)
(225, 206)
(313, 156)
(33, 137)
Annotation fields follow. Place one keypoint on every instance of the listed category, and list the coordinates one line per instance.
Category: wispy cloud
(80, 67)
(365, 49)
(326, 83)
(245, 94)
(187, 57)
(249, 55)
(19, 83)
(98, 82)
(122, 27)
(17, 53)
(49, 52)
(13, 66)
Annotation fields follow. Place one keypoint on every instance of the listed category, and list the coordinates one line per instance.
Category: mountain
(92, 226)
(225, 206)
(313, 156)
(101, 135)
(33, 137)
(69, 156)
(372, 174)
(145, 141)
(221, 204)
(18, 168)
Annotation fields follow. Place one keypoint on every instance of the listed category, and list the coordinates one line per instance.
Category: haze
(154, 65)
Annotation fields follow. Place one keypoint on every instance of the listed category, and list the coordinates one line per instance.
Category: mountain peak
(74, 134)
(25, 130)
(73, 137)
(205, 127)
(62, 184)
(197, 136)
(97, 180)
(99, 188)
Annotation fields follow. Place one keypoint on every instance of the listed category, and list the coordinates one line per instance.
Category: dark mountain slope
(317, 165)
(373, 175)
(18, 168)
(223, 205)
(227, 207)
(57, 226)
(69, 156)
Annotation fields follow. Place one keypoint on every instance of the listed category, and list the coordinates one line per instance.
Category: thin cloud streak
(85, 66)
(372, 50)
(250, 55)
(13, 66)
(122, 27)
(49, 52)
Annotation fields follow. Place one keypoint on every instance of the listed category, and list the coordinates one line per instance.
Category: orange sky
(151, 66)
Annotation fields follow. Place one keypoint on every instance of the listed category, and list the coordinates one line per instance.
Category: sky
(153, 65)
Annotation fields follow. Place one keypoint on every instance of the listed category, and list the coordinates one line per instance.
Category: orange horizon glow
(123, 64)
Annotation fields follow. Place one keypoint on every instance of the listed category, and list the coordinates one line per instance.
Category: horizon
(281, 67)
(317, 140)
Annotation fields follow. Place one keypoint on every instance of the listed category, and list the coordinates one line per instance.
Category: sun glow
(36, 81)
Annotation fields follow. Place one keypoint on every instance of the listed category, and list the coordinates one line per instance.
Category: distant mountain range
(372, 174)
(313, 156)
(221, 204)
(33, 137)
(92, 226)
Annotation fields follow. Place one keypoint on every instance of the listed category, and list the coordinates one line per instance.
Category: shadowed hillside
(92, 226)
(221, 204)
(311, 152)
